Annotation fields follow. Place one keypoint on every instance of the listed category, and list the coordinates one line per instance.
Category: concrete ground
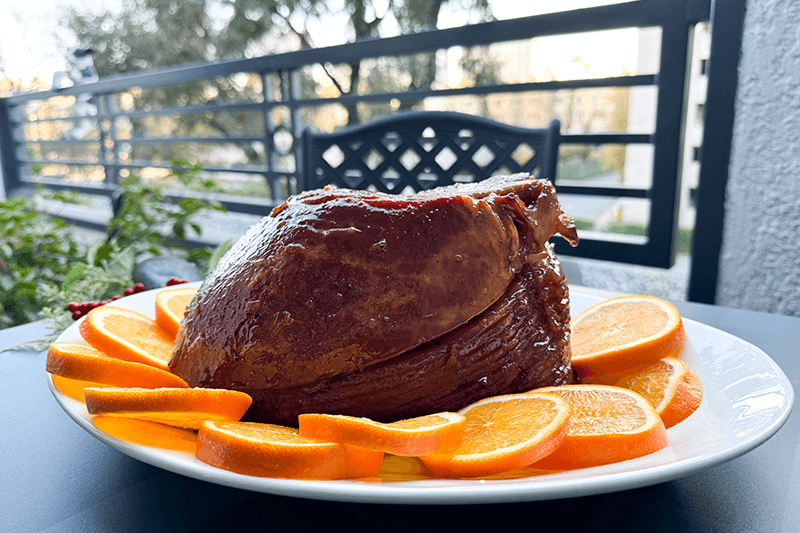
(632, 279)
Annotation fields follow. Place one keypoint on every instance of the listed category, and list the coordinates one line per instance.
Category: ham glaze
(385, 306)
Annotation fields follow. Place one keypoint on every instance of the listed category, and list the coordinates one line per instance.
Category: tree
(147, 34)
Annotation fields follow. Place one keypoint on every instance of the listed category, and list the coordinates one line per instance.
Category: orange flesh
(670, 386)
(142, 335)
(178, 303)
(171, 308)
(514, 427)
(608, 425)
(621, 414)
(656, 385)
(603, 337)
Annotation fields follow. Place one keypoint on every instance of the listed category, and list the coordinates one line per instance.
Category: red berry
(73, 306)
(139, 287)
(128, 291)
(76, 315)
(115, 298)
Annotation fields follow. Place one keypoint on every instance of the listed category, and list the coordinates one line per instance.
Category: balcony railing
(283, 103)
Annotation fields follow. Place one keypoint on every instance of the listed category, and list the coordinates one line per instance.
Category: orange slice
(186, 408)
(127, 335)
(79, 361)
(171, 305)
(608, 425)
(503, 433)
(671, 387)
(424, 435)
(267, 450)
(624, 333)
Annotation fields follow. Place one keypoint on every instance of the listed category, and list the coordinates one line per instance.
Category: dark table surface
(54, 476)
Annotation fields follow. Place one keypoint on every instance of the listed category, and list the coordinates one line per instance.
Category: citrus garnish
(624, 333)
(671, 387)
(268, 450)
(82, 362)
(503, 433)
(424, 435)
(127, 335)
(170, 307)
(186, 408)
(607, 425)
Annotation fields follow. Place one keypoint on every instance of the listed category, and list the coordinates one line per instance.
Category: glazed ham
(386, 306)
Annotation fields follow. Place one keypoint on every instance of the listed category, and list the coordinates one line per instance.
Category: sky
(31, 42)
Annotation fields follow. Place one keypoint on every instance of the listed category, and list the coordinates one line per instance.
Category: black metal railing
(282, 99)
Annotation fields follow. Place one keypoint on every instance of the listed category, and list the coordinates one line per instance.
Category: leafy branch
(43, 268)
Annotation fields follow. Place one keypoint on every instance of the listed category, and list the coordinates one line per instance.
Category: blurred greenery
(685, 240)
(43, 267)
(142, 215)
(35, 249)
(683, 245)
(626, 228)
(36, 169)
(583, 224)
(577, 170)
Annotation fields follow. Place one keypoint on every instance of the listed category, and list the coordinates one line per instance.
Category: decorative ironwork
(414, 151)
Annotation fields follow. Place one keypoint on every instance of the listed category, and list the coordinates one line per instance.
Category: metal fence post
(727, 24)
(295, 94)
(266, 113)
(9, 165)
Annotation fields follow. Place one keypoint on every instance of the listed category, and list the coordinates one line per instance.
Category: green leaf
(217, 254)
(179, 231)
(25, 288)
(98, 252)
(73, 275)
(190, 206)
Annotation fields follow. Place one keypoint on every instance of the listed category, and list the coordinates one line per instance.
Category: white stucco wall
(760, 264)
